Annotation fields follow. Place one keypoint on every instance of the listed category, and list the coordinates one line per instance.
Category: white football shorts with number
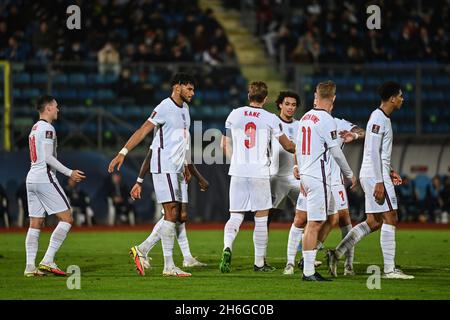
(378, 127)
(316, 135)
(44, 193)
(251, 131)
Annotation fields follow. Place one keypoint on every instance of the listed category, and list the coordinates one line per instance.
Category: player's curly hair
(43, 101)
(287, 94)
(389, 89)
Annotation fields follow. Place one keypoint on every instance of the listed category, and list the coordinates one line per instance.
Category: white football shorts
(47, 198)
(250, 194)
(168, 187)
(390, 200)
(284, 187)
(319, 200)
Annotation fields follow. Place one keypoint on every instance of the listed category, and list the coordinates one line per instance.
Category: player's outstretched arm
(203, 183)
(286, 143)
(352, 135)
(134, 140)
(75, 175)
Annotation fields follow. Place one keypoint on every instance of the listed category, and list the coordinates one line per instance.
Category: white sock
(387, 241)
(231, 229)
(183, 240)
(309, 257)
(167, 240)
(260, 239)
(351, 252)
(352, 238)
(295, 235)
(148, 244)
(56, 240)
(31, 247)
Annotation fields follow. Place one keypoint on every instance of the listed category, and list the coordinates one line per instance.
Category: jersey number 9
(250, 132)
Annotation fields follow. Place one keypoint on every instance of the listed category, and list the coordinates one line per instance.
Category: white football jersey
(170, 138)
(282, 161)
(380, 125)
(336, 176)
(252, 130)
(317, 133)
(41, 133)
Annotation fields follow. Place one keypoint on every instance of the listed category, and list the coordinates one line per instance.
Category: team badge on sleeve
(49, 134)
(153, 115)
(333, 135)
(375, 128)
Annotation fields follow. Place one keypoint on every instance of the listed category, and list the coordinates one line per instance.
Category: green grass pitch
(107, 271)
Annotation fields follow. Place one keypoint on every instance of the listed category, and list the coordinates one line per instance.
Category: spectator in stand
(119, 202)
(433, 200)
(4, 207)
(22, 203)
(80, 202)
(407, 200)
(445, 198)
(108, 60)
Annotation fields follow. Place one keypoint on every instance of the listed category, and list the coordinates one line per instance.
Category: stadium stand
(107, 81)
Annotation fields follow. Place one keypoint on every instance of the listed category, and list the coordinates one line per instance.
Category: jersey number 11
(306, 141)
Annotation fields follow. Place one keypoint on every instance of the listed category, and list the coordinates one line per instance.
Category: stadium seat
(77, 79)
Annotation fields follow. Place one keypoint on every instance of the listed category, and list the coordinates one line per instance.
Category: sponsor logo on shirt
(333, 135)
(49, 134)
(375, 128)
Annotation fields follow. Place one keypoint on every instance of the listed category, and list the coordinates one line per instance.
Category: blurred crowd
(113, 32)
(313, 31)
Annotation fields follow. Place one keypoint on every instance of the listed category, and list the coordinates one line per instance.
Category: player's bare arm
(286, 143)
(296, 172)
(352, 135)
(202, 182)
(134, 140)
(135, 192)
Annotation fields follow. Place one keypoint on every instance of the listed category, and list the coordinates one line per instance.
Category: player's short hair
(43, 101)
(389, 89)
(326, 89)
(183, 78)
(287, 94)
(257, 91)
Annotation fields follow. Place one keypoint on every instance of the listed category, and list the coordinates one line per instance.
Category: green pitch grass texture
(107, 271)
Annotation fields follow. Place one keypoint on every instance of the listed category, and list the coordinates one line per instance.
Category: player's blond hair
(257, 91)
(326, 89)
